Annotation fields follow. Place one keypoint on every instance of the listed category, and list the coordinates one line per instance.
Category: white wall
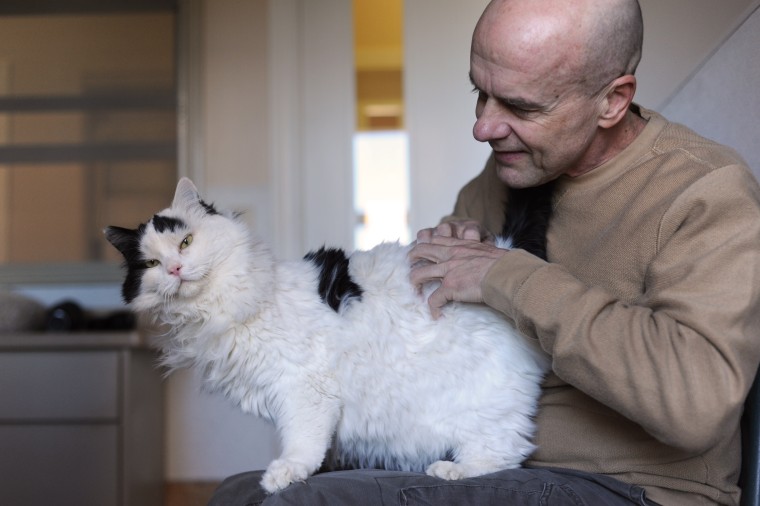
(208, 437)
(440, 106)
(678, 36)
(276, 118)
(721, 100)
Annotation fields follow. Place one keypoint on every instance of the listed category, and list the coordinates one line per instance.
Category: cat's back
(394, 314)
(382, 271)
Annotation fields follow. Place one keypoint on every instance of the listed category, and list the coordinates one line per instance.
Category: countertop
(95, 340)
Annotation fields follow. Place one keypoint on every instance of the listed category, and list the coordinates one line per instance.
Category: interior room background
(267, 114)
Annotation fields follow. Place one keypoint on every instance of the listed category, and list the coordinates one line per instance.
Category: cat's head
(173, 256)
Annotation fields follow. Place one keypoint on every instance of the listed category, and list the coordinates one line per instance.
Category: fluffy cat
(339, 352)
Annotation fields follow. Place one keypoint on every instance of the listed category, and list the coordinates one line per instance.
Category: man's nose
(491, 123)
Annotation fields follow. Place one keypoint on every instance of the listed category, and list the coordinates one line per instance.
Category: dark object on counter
(68, 316)
(20, 314)
(118, 320)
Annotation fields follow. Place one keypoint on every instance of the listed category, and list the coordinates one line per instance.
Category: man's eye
(521, 111)
(481, 94)
(152, 263)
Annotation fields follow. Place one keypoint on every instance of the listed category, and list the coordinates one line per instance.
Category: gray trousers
(515, 487)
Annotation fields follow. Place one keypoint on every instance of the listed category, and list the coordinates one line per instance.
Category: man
(648, 303)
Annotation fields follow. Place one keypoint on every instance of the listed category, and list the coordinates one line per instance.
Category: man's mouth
(506, 157)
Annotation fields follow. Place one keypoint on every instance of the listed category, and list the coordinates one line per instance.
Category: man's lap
(519, 487)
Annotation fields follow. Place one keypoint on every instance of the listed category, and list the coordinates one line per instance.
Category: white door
(313, 115)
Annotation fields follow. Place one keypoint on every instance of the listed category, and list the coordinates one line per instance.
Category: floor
(188, 493)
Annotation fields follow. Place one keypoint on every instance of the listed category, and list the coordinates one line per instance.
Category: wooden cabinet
(81, 420)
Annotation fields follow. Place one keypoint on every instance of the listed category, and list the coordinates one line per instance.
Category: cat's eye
(151, 263)
(187, 241)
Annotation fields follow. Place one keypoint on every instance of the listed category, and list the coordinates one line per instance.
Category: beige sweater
(650, 309)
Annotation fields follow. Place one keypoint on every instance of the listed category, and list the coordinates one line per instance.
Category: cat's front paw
(447, 470)
(283, 472)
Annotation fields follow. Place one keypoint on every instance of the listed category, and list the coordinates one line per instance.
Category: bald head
(586, 43)
(614, 42)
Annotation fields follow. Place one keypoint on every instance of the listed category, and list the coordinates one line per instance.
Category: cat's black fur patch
(164, 223)
(335, 283)
(210, 209)
(528, 212)
(127, 241)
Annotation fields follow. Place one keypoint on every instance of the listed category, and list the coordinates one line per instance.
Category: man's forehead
(535, 86)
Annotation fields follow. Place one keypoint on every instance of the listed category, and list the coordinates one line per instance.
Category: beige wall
(5, 208)
(46, 210)
(72, 62)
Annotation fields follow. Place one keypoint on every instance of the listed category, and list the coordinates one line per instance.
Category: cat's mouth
(187, 286)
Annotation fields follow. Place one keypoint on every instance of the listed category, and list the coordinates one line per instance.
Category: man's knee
(242, 489)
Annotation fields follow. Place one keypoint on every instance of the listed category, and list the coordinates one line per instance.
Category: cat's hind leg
(477, 459)
(449, 470)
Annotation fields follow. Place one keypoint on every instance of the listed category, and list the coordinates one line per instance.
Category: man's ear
(617, 100)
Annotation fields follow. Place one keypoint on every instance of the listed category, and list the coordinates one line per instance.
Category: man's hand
(459, 264)
(463, 229)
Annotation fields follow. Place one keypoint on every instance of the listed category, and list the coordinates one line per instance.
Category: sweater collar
(620, 163)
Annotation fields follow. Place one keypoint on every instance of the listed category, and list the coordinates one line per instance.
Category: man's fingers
(424, 235)
(428, 251)
(422, 273)
(459, 264)
(446, 230)
(436, 301)
(471, 232)
(467, 229)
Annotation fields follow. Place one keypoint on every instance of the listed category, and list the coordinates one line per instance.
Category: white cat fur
(380, 378)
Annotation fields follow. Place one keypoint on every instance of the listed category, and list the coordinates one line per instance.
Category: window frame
(188, 18)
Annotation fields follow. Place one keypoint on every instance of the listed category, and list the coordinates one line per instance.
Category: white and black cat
(339, 351)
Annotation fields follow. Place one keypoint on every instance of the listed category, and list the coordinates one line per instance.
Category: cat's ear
(123, 239)
(186, 194)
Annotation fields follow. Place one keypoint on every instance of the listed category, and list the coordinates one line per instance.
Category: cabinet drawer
(59, 385)
(69, 464)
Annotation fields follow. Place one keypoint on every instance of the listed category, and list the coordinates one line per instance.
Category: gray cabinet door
(59, 464)
(81, 385)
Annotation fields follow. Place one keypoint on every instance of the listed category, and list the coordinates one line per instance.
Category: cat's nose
(175, 269)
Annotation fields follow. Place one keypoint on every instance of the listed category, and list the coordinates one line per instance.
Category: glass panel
(381, 194)
(381, 167)
(87, 130)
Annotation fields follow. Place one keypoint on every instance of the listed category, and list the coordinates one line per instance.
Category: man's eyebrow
(517, 102)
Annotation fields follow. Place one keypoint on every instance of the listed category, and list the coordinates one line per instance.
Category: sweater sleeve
(680, 360)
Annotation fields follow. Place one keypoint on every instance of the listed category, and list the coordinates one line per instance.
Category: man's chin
(511, 176)
(519, 177)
